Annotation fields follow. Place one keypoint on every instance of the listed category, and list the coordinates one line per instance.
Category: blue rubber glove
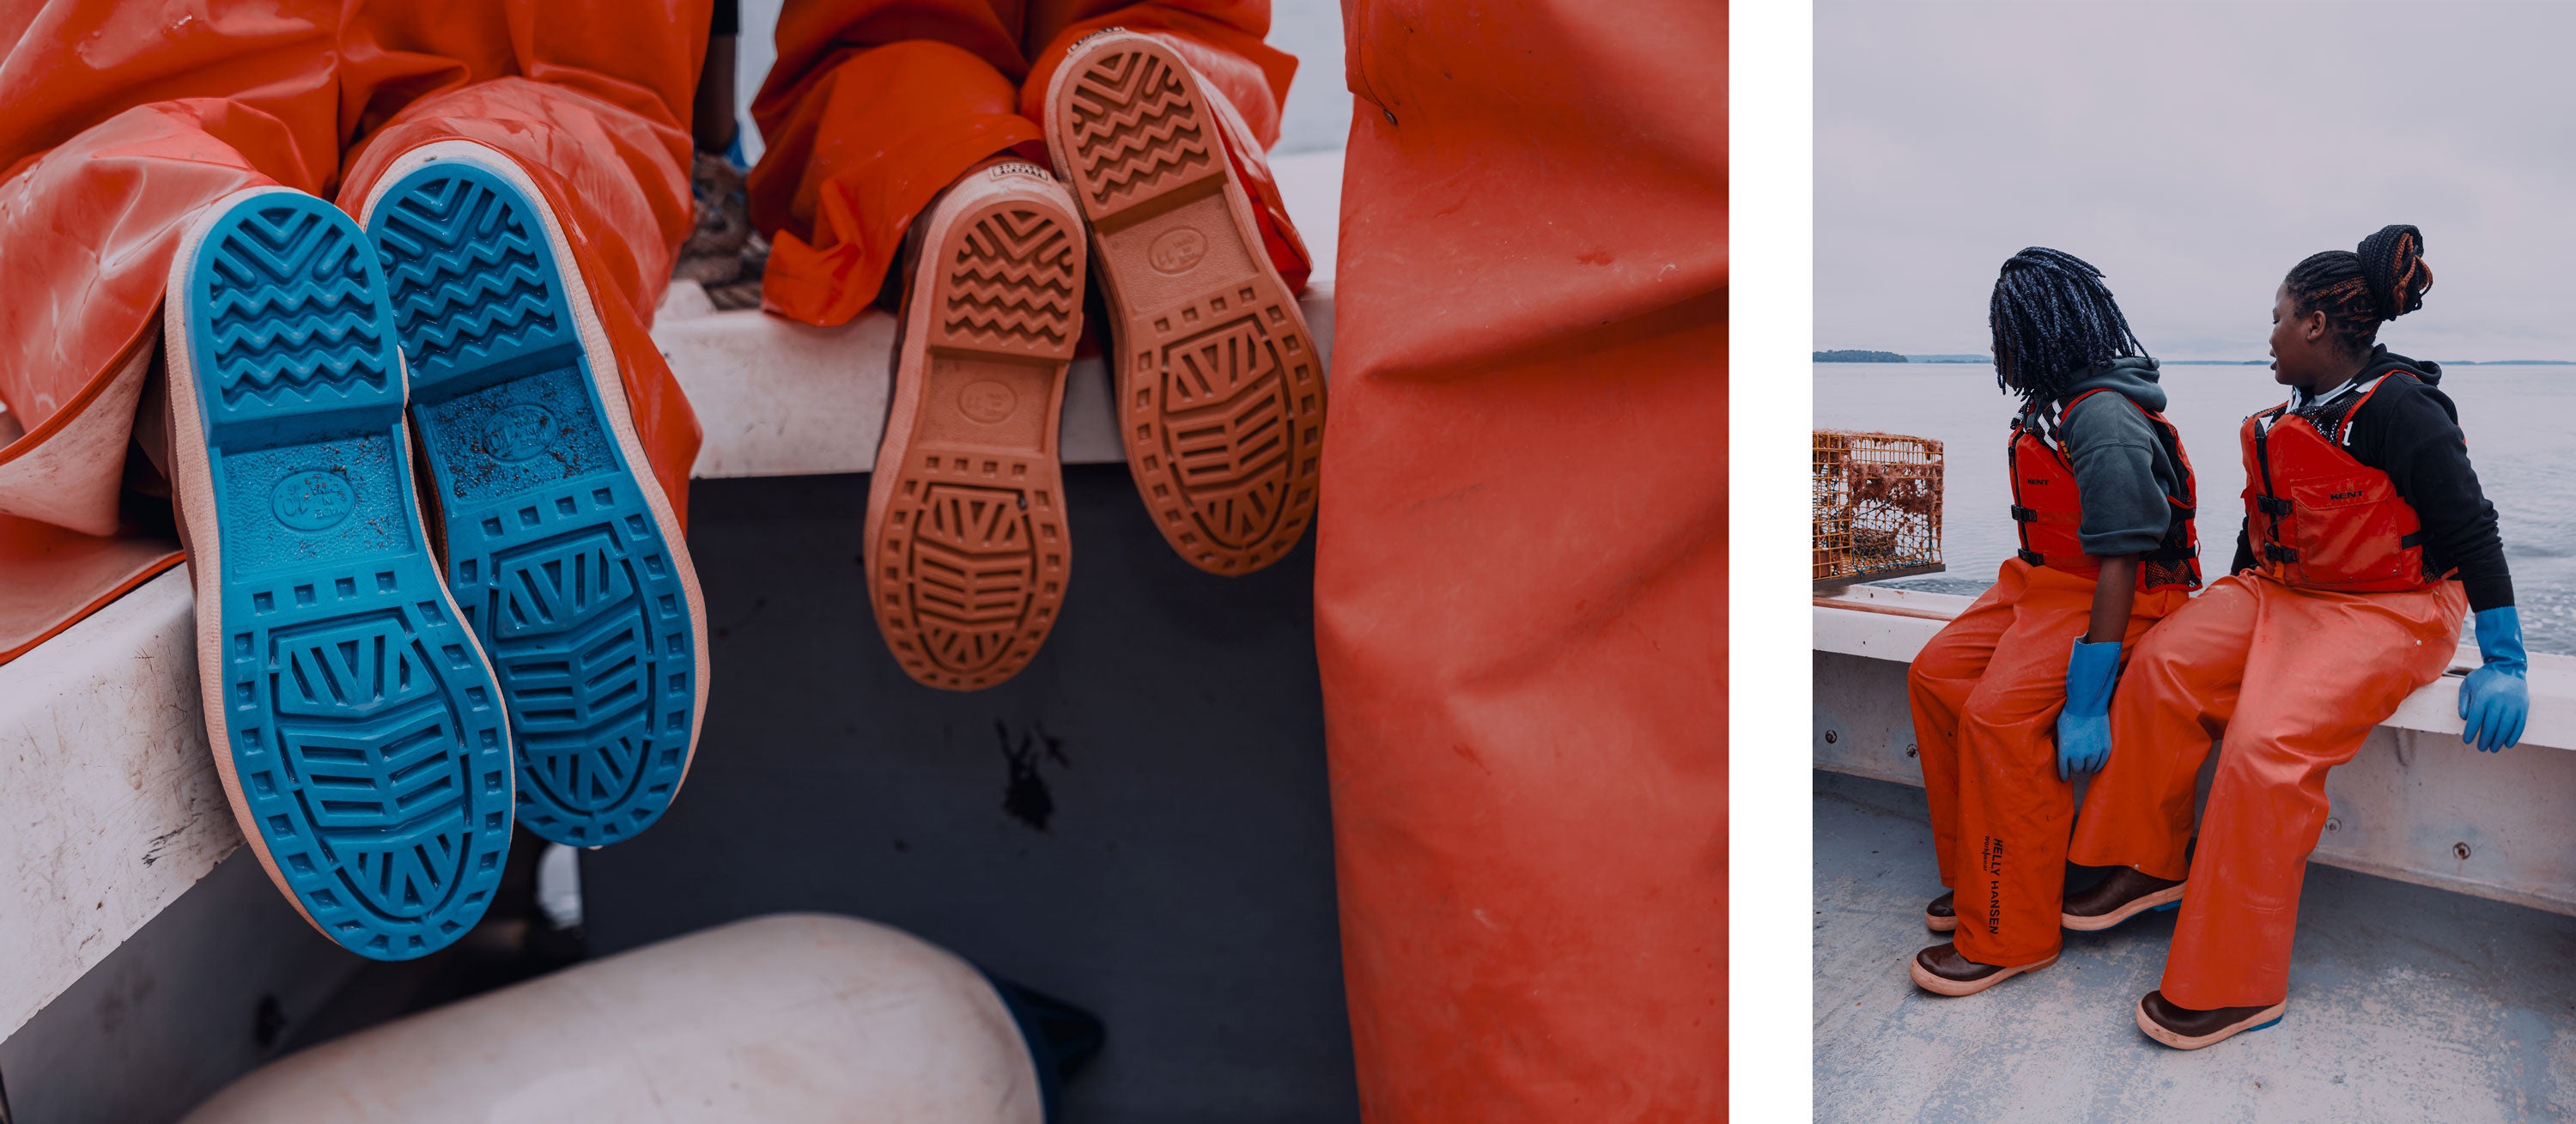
(2084, 727)
(2494, 700)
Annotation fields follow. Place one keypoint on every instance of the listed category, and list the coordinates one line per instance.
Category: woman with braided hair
(2366, 538)
(2011, 699)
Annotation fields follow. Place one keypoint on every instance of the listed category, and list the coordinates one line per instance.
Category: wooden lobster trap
(1877, 506)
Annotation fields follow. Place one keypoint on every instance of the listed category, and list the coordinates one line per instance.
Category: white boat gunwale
(2414, 804)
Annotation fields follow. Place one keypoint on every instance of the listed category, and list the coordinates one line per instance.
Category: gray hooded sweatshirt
(2120, 466)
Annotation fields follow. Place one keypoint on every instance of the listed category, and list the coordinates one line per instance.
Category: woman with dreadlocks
(2011, 699)
(2366, 538)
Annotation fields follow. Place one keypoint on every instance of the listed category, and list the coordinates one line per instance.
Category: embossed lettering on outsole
(366, 739)
(968, 559)
(1220, 392)
(554, 554)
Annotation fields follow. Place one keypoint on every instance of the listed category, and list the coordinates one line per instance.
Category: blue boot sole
(557, 558)
(362, 735)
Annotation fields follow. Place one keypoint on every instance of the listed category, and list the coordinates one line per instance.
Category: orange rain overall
(123, 119)
(1986, 693)
(875, 106)
(1520, 569)
(2295, 662)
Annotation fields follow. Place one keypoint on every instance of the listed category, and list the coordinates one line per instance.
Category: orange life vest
(2050, 512)
(2318, 518)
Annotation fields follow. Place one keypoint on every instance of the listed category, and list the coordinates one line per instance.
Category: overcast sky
(2194, 152)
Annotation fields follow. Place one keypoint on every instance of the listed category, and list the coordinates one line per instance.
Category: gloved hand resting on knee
(2084, 727)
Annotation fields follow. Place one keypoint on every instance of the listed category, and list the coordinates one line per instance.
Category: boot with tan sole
(968, 553)
(1942, 971)
(1219, 390)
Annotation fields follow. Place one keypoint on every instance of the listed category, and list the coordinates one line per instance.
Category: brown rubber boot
(2185, 1029)
(1220, 394)
(1942, 971)
(2125, 894)
(967, 548)
(1942, 916)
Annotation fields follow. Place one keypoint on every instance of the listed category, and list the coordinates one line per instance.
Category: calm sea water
(2520, 421)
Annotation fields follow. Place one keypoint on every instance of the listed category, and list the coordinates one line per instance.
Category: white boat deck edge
(2414, 804)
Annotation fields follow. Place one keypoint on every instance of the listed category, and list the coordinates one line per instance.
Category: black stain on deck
(1025, 795)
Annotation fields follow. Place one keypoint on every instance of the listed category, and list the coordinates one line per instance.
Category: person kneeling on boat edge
(2366, 540)
(2012, 698)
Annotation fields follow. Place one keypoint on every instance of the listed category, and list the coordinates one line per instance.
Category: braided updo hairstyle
(2052, 317)
(2380, 280)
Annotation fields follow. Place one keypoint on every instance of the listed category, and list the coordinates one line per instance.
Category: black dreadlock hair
(2358, 289)
(2052, 317)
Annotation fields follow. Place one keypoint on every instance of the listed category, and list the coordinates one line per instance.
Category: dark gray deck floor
(1138, 823)
(2406, 1003)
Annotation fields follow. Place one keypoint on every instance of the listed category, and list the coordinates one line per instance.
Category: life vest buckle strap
(2358, 536)
(2048, 509)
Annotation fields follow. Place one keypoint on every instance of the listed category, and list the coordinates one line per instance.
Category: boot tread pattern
(1012, 283)
(972, 575)
(293, 316)
(370, 752)
(1231, 439)
(1136, 129)
(1220, 392)
(971, 559)
(555, 556)
(469, 284)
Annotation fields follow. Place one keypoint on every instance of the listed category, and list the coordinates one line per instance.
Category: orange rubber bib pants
(1986, 692)
(123, 119)
(1520, 571)
(875, 106)
(2295, 678)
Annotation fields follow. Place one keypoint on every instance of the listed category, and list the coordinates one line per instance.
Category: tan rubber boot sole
(2256, 1021)
(967, 549)
(1220, 394)
(1940, 986)
(2169, 896)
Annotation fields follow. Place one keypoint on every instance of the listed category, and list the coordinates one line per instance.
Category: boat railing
(2414, 804)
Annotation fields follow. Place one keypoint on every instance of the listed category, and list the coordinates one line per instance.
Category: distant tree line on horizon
(1852, 356)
